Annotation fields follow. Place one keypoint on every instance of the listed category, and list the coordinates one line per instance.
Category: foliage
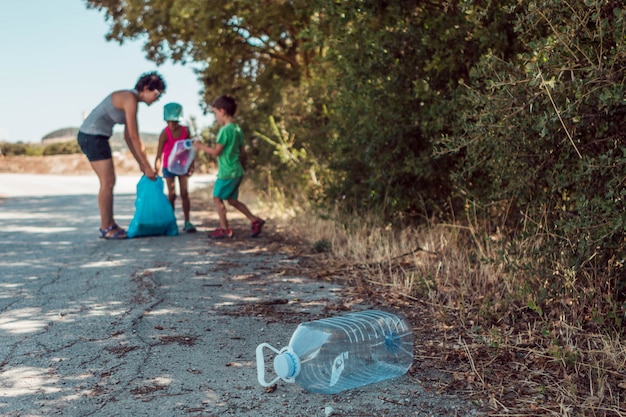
(11, 149)
(396, 68)
(245, 50)
(62, 148)
(20, 148)
(541, 134)
(37, 149)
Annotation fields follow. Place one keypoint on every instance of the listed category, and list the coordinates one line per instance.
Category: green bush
(62, 148)
(395, 71)
(13, 149)
(20, 148)
(541, 133)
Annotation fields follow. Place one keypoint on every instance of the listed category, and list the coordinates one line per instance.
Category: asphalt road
(160, 326)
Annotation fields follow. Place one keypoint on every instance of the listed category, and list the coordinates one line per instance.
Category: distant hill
(66, 132)
(60, 135)
(117, 142)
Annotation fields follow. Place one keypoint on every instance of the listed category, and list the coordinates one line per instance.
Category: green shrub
(62, 148)
(541, 134)
(20, 148)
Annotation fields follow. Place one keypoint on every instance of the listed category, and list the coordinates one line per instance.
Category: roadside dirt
(61, 164)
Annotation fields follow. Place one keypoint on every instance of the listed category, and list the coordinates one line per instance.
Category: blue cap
(173, 112)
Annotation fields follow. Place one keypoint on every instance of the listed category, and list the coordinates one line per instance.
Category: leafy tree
(247, 48)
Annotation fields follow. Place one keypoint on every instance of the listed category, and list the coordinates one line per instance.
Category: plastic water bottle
(181, 157)
(332, 355)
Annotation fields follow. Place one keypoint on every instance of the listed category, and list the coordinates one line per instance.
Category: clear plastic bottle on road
(181, 157)
(332, 355)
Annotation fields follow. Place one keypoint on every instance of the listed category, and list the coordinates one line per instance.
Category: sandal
(257, 226)
(118, 234)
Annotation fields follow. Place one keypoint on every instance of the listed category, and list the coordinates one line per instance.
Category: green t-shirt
(228, 163)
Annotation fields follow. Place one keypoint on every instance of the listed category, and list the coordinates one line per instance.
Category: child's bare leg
(171, 190)
(243, 209)
(106, 175)
(184, 195)
(220, 207)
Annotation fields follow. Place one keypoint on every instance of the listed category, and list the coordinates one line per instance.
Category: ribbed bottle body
(181, 157)
(353, 350)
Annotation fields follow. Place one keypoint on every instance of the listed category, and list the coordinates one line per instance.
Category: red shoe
(220, 233)
(257, 226)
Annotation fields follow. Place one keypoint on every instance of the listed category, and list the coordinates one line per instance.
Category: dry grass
(476, 321)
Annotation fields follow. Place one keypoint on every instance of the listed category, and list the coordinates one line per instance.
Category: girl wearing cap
(174, 132)
(119, 107)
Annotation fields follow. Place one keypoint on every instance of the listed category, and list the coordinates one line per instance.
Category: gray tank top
(102, 119)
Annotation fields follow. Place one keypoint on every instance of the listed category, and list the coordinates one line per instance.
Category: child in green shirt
(231, 159)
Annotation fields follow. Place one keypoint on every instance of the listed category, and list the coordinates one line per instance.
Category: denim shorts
(227, 189)
(96, 147)
(168, 174)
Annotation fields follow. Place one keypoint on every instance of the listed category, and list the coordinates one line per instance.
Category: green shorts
(227, 189)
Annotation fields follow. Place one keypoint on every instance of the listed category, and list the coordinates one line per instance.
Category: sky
(56, 66)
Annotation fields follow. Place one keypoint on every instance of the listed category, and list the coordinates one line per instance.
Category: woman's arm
(128, 102)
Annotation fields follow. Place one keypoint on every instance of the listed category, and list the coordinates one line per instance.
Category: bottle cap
(286, 365)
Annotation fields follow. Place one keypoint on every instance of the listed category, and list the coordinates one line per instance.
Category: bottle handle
(260, 364)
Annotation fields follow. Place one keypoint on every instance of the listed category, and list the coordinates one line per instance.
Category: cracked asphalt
(160, 326)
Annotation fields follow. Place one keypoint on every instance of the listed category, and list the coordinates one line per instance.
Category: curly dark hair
(227, 103)
(153, 80)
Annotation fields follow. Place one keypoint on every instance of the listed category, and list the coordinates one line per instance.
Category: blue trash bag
(154, 215)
